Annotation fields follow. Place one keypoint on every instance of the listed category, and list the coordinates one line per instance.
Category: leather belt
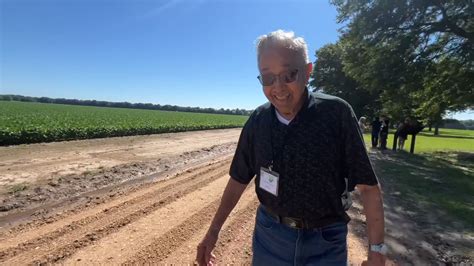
(298, 223)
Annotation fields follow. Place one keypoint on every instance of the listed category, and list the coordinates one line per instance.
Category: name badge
(269, 180)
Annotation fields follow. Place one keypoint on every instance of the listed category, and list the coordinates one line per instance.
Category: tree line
(401, 58)
(465, 124)
(148, 106)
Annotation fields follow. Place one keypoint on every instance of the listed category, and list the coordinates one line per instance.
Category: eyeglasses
(286, 76)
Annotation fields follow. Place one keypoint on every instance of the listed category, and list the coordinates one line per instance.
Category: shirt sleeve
(356, 161)
(242, 167)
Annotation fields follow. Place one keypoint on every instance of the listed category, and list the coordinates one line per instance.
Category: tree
(443, 90)
(149, 106)
(385, 71)
(328, 76)
(418, 53)
(437, 27)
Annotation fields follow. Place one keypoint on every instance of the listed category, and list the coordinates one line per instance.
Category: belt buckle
(293, 223)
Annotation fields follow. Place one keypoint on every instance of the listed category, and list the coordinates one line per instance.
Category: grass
(432, 183)
(446, 132)
(426, 142)
(18, 187)
(438, 178)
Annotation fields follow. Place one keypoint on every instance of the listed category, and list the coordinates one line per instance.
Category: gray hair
(283, 38)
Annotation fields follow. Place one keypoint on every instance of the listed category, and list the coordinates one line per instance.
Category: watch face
(380, 248)
(384, 249)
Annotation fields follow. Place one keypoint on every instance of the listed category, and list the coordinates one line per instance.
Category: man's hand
(231, 196)
(374, 259)
(204, 254)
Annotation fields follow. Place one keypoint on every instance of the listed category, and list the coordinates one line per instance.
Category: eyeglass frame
(259, 77)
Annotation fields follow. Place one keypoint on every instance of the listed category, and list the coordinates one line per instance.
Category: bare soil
(129, 200)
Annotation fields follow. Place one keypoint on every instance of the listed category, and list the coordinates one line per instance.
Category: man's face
(286, 97)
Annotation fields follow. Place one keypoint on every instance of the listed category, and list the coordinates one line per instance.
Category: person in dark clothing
(302, 151)
(402, 133)
(376, 124)
(384, 132)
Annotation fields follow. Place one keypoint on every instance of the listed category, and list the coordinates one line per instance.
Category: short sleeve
(357, 164)
(242, 167)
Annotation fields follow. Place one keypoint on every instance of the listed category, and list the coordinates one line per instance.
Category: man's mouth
(281, 97)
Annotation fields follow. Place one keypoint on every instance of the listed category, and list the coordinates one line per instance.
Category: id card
(269, 180)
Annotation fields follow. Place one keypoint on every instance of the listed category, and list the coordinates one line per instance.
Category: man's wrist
(213, 231)
(373, 254)
(376, 258)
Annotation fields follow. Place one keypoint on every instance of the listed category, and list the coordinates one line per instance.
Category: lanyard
(275, 124)
(275, 151)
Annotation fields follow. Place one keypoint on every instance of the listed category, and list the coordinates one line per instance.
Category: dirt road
(154, 206)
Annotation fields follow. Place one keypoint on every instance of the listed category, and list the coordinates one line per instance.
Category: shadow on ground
(429, 206)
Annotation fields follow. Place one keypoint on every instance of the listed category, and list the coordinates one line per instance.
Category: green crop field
(26, 122)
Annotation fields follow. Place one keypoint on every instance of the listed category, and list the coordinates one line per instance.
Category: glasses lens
(267, 80)
(290, 76)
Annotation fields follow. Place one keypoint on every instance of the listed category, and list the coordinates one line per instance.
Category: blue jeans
(277, 244)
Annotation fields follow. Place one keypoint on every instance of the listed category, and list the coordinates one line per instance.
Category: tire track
(63, 242)
(120, 246)
(164, 245)
(235, 243)
(22, 219)
(186, 252)
(133, 196)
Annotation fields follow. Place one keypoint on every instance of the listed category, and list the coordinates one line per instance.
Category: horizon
(470, 113)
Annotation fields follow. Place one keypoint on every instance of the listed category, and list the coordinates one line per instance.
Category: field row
(26, 122)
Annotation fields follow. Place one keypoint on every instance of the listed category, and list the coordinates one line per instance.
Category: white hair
(285, 39)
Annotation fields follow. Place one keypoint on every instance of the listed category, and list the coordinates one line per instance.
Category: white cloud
(465, 115)
(158, 10)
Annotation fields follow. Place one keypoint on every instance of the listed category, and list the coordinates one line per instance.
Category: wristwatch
(379, 248)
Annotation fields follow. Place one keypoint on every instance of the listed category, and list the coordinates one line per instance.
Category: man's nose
(279, 83)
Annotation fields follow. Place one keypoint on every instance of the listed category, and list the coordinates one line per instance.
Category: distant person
(362, 125)
(304, 150)
(385, 123)
(402, 133)
(376, 124)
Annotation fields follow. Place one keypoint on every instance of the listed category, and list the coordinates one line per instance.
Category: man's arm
(230, 197)
(373, 208)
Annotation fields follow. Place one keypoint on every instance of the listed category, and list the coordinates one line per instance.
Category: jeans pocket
(264, 220)
(334, 234)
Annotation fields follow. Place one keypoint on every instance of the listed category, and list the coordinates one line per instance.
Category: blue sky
(180, 52)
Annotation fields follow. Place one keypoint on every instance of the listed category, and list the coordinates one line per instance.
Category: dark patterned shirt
(315, 154)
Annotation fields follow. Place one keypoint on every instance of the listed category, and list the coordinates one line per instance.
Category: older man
(305, 151)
